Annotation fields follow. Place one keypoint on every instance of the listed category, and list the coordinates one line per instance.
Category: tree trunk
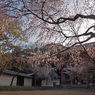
(71, 80)
(87, 84)
(61, 77)
(1, 73)
(13, 78)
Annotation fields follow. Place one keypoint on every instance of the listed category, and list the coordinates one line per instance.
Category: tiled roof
(88, 45)
(17, 73)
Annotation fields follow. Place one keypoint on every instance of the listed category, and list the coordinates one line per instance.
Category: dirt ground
(50, 92)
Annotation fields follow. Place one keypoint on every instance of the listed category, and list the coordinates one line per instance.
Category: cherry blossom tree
(47, 72)
(43, 62)
(68, 22)
(91, 52)
(75, 61)
(63, 21)
(80, 64)
(50, 19)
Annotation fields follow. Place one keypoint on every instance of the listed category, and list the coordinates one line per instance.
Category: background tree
(79, 65)
(10, 35)
(69, 22)
(10, 32)
(5, 60)
(74, 61)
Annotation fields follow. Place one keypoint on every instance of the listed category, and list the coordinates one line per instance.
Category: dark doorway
(20, 81)
(38, 82)
(33, 81)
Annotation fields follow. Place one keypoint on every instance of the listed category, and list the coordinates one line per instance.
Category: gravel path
(50, 92)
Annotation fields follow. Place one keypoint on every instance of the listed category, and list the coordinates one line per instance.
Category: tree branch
(62, 19)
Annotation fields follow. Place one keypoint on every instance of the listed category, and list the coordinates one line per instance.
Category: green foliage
(14, 29)
(10, 32)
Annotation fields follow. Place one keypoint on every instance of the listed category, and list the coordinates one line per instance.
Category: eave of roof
(17, 73)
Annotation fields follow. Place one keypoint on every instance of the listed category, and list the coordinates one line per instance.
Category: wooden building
(19, 79)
